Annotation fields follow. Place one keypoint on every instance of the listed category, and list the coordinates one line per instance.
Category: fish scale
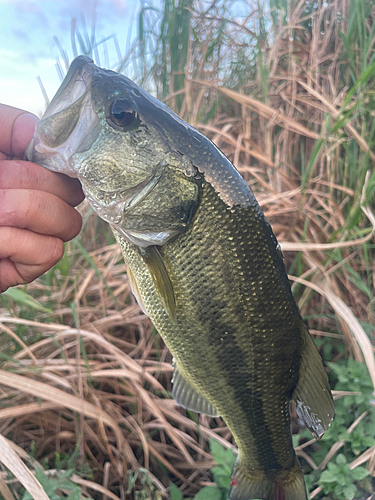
(203, 263)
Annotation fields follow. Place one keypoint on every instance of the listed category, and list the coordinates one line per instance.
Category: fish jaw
(69, 125)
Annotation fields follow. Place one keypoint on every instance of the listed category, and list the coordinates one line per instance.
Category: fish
(203, 263)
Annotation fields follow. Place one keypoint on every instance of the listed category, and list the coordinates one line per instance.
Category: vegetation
(286, 89)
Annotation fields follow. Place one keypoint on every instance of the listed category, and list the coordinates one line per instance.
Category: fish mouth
(70, 124)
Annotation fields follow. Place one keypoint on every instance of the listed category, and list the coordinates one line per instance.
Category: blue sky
(28, 49)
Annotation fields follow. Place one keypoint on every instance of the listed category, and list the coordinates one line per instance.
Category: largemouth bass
(203, 263)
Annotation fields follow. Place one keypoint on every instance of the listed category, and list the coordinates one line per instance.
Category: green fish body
(203, 263)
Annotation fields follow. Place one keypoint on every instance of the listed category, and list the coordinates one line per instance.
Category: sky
(28, 49)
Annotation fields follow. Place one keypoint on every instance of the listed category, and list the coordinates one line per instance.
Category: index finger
(17, 128)
(19, 174)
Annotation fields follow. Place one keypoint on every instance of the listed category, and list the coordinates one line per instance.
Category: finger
(17, 128)
(25, 255)
(40, 212)
(18, 174)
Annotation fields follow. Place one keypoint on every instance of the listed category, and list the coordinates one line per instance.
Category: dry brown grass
(92, 375)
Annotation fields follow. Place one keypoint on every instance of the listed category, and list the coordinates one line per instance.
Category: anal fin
(312, 396)
(187, 397)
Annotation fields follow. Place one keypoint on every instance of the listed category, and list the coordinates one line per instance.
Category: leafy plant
(224, 458)
(140, 485)
(340, 480)
(174, 492)
(353, 427)
(52, 484)
(352, 377)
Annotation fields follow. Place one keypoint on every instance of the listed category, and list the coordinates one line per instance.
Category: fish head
(119, 141)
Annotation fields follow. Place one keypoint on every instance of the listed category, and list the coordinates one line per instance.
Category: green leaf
(333, 468)
(341, 459)
(328, 477)
(75, 495)
(349, 491)
(222, 476)
(338, 489)
(208, 493)
(25, 299)
(50, 484)
(359, 473)
(174, 492)
(221, 455)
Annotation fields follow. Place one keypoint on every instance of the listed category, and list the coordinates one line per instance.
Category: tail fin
(250, 485)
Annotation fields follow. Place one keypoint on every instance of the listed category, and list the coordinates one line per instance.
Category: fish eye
(121, 113)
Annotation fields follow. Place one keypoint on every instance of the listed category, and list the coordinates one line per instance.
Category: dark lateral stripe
(211, 260)
(224, 347)
(249, 401)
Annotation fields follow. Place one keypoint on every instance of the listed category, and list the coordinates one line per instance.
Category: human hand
(36, 205)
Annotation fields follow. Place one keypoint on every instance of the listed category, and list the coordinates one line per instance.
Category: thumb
(23, 130)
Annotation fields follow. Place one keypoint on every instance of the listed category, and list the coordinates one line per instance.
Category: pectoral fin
(160, 277)
(185, 395)
(312, 396)
(135, 290)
